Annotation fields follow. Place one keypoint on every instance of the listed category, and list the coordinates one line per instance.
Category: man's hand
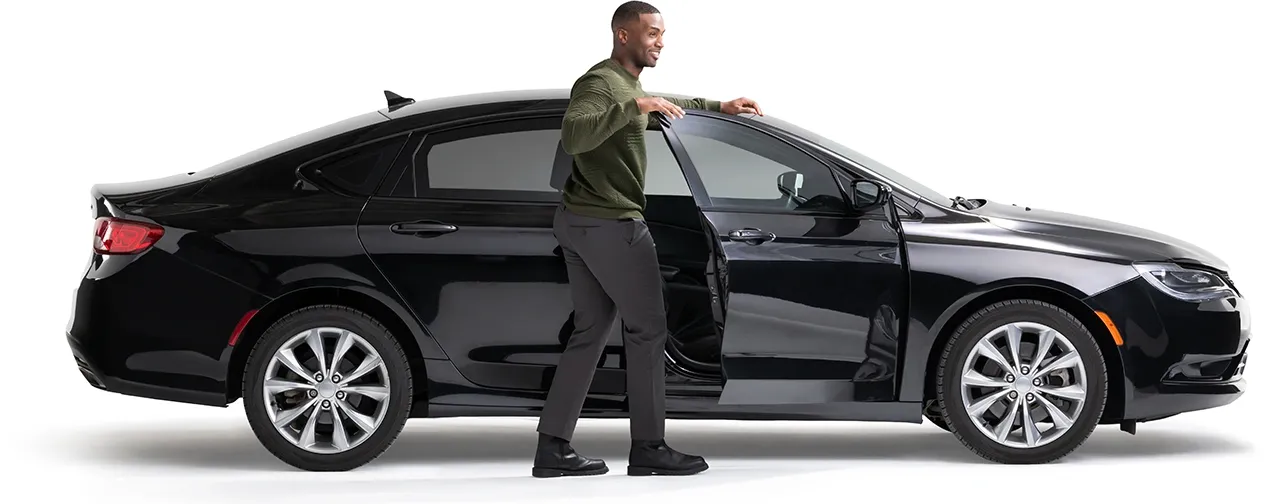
(741, 106)
(658, 104)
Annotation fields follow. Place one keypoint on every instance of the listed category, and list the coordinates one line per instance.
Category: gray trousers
(613, 272)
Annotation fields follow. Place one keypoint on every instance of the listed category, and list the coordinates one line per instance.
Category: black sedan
(401, 264)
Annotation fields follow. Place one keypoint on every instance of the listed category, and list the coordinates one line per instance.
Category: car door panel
(815, 305)
(476, 258)
(811, 298)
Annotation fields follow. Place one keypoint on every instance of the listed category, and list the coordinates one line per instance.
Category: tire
(934, 415)
(385, 414)
(1077, 346)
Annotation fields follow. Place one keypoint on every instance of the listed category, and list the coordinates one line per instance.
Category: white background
(1149, 113)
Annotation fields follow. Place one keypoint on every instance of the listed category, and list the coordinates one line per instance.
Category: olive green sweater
(604, 131)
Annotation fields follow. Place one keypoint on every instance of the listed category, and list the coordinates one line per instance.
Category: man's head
(637, 31)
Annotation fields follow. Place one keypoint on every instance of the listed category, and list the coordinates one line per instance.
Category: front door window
(745, 169)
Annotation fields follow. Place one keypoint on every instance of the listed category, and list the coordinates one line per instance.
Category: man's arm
(733, 107)
(593, 115)
(696, 103)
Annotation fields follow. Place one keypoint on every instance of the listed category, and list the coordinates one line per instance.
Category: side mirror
(789, 183)
(867, 195)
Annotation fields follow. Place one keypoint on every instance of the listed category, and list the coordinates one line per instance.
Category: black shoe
(556, 458)
(649, 458)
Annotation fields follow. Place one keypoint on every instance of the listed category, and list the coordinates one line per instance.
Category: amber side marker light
(1129, 426)
(1115, 333)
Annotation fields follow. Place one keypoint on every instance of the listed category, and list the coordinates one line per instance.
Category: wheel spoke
(287, 358)
(342, 345)
(362, 422)
(976, 379)
(372, 391)
(1060, 419)
(1007, 424)
(308, 435)
(987, 349)
(1073, 392)
(314, 339)
(1014, 340)
(276, 386)
(1030, 432)
(285, 417)
(979, 407)
(1043, 347)
(369, 363)
(339, 437)
(1067, 360)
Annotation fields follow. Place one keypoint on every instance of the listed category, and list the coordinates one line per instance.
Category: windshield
(877, 168)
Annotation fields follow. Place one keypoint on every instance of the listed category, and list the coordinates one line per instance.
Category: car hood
(1128, 242)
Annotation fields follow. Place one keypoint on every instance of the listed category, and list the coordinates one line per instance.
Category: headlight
(1184, 283)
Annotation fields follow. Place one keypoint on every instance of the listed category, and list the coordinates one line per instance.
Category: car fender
(334, 284)
(933, 317)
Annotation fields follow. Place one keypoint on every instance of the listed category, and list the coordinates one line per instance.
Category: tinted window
(514, 158)
(874, 166)
(663, 176)
(746, 169)
(359, 169)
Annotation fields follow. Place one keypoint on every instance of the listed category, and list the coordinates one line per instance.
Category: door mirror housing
(867, 195)
(789, 183)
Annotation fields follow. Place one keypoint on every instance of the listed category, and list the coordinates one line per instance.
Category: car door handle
(751, 236)
(423, 228)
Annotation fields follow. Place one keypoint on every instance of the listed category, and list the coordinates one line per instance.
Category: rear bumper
(97, 376)
(153, 326)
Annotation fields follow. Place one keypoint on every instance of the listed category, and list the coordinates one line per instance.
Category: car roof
(495, 101)
(401, 114)
(548, 98)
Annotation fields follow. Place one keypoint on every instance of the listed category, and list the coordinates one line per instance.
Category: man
(612, 262)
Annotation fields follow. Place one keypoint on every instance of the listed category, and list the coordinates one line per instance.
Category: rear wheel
(327, 388)
(1022, 382)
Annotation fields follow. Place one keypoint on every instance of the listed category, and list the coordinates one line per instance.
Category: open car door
(809, 285)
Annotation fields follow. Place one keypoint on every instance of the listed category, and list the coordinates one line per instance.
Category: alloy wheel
(1024, 384)
(326, 390)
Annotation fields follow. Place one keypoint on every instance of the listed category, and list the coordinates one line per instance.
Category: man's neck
(627, 64)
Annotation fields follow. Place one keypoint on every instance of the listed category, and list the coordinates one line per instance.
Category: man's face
(644, 39)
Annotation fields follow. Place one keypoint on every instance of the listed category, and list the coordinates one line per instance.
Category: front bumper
(1177, 356)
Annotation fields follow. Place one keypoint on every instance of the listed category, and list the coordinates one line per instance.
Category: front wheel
(935, 415)
(327, 388)
(1022, 382)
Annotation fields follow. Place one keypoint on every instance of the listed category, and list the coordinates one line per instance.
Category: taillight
(118, 236)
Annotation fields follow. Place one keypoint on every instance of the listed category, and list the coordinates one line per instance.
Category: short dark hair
(631, 11)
